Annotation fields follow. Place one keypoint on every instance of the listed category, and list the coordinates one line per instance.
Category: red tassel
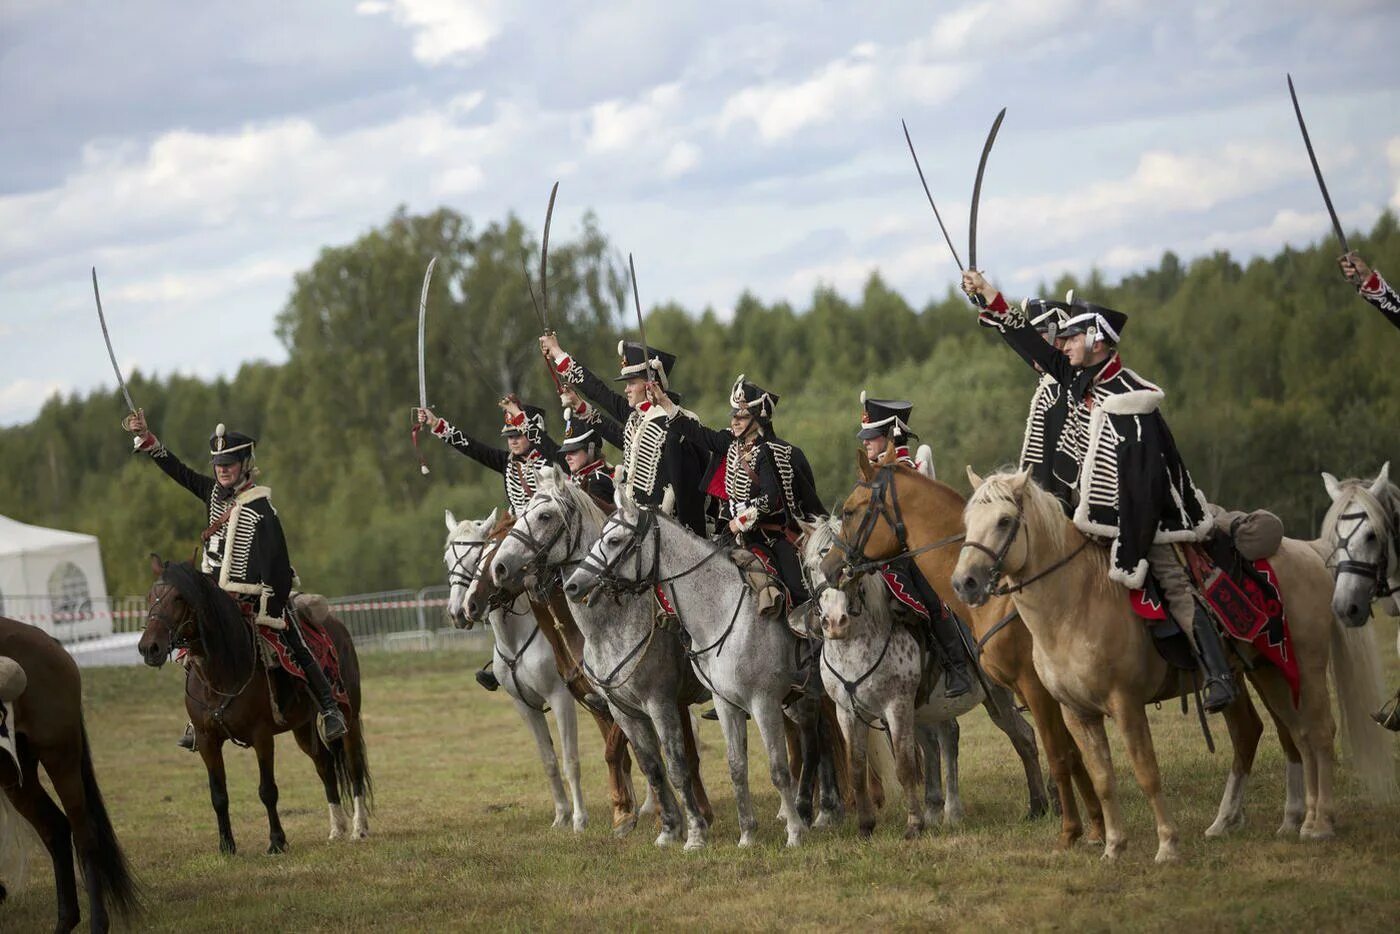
(422, 465)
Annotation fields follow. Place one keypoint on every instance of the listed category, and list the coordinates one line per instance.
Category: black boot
(957, 678)
(186, 740)
(486, 677)
(1219, 690)
(595, 702)
(332, 720)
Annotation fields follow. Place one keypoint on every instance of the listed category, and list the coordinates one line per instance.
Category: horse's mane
(219, 622)
(560, 489)
(1359, 488)
(1044, 517)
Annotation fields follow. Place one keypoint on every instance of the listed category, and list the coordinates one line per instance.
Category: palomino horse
(751, 664)
(523, 663)
(565, 639)
(1098, 659)
(231, 694)
(1360, 541)
(49, 729)
(872, 665)
(638, 666)
(895, 510)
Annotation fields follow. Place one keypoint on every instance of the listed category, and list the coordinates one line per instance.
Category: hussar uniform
(520, 471)
(1132, 487)
(1380, 294)
(581, 433)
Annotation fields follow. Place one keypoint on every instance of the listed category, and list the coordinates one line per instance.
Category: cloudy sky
(200, 154)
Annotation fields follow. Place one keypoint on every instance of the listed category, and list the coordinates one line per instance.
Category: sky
(199, 155)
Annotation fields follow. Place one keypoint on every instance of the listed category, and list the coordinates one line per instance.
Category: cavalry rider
(1371, 286)
(884, 425)
(528, 448)
(885, 433)
(244, 549)
(582, 448)
(658, 467)
(1132, 486)
(1040, 455)
(765, 483)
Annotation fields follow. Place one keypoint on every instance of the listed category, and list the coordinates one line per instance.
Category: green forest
(1274, 370)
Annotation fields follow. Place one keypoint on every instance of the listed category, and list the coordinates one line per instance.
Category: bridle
(605, 572)
(998, 556)
(1377, 572)
(884, 503)
(571, 525)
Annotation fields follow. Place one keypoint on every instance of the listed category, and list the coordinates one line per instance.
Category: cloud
(616, 125)
(681, 158)
(20, 398)
(1392, 157)
(444, 31)
(983, 28)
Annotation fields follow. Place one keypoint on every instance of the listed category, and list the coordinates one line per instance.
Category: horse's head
(466, 540)
(998, 541)
(547, 534)
(866, 520)
(170, 620)
(620, 554)
(1363, 527)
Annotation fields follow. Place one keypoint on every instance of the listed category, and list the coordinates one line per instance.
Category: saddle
(911, 599)
(312, 612)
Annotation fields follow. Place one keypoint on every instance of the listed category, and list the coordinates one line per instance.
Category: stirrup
(330, 724)
(1389, 715)
(595, 702)
(956, 681)
(1218, 693)
(487, 679)
(186, 740)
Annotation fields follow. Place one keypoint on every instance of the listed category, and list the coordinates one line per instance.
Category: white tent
(54, 580)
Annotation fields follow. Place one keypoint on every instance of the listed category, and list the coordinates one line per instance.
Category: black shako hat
(1047, 315)
(1106, 323)
(633, 363)
(529, 422)
(578, 436)
(752, 398)
(883, 417)
(229, 447)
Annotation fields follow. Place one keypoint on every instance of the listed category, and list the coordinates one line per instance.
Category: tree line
(1274, 370)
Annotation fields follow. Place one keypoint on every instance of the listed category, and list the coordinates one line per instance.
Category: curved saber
(422, 329)
(544, 258)
(957, 259)
(977, 191)
(1326, 198)
(102, 319)
(641, 328)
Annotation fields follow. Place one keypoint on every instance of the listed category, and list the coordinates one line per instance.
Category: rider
(583, 447)
(528, 448)
(244, 549)
(1371, 286)
(658, 467)
(1132, 486)
(765, 483)
(884, 424)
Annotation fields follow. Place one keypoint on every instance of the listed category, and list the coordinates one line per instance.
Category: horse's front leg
(211, 749)
(768, 715)
(1092, 740)
(900, 718)
(266, 749)
(666, 718)
(733, 724)
(1245, 727)
(1137, 737)
(643, 739)
(692, 758)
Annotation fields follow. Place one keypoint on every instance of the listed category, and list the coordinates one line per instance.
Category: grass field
(461, 837)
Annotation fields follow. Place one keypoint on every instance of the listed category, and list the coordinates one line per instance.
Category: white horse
(750, 663)
(1360, 541)
(871, 666)
(523, 663)
(638, 666)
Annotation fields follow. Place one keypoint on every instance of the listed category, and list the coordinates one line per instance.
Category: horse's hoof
(693, 844)
(826, 819)
(560, 820)
(745, 841)
(866, 831)
(228, 847)
(1112, 851)
(1166, 853)
(580, 823)
(625, 826)
(665, 839)
(276, 847)
(913, 831)
(1317, 832)
(1225, 825)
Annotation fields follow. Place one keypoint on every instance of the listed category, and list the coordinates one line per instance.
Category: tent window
(68, 590)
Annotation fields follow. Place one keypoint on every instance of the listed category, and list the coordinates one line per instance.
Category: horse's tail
(1356, 671)
(114, 879)
(351, 760)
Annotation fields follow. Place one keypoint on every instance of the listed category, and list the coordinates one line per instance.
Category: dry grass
(461, 838)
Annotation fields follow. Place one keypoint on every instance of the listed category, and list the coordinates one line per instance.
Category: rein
(883, 490)
(999, 558)
(1377, 572)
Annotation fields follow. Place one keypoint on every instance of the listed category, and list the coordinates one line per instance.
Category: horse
(1098, 660)
(523, 664)
(48, 730)
(232, 695)
(751, 665)
(1360, 541)
(636, 665)
(894, 510)
(873, 665)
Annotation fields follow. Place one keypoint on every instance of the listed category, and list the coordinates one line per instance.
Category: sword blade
(957, 259)
(544, 258)
(422, 331)
(1317, 170)
(107, 338)
(977, 191)
(641, 328)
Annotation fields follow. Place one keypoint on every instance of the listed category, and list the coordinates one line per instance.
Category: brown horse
(1098, 660)
(49, 731)
(896, 508)
(232, 695)
(559, 627)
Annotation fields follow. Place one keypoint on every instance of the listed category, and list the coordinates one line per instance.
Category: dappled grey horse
(639, 667)
(750, 663)
(871, 666)
(522, 662)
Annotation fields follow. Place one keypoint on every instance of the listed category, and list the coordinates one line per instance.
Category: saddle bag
(1255, 534)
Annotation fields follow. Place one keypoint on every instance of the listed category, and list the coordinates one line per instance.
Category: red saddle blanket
(1250, 607)
(322, 650)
